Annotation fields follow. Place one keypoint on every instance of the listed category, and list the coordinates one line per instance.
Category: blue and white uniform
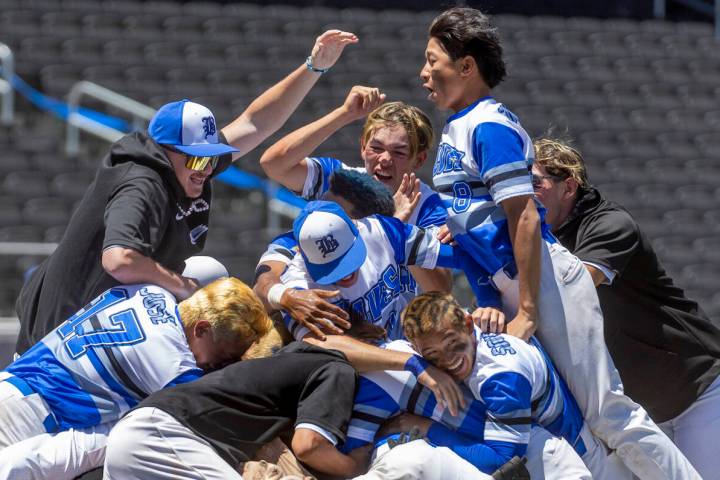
(512, 387)
(428, 213)
(384, 285)
(128, 343)
(484, 157)
(281, 249)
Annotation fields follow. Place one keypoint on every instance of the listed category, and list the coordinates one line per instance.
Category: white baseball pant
(150, 444)
(570, 327)
(696, 432)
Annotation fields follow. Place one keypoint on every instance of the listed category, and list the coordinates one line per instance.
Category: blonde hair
(427, 312)
(233, 310)
(561, 160)
(264, 346)
(415, 122)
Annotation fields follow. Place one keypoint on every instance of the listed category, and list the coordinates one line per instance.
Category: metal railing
(7, 61)
(141, 114)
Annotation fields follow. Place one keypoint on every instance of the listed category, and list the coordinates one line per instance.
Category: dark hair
(467, 31)
(367, 195)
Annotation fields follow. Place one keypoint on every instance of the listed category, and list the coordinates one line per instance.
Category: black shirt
(135, 201)
(664, 346)
(243, 406)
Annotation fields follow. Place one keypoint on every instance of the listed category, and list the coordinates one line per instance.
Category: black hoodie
(666, 349)
(135, 201)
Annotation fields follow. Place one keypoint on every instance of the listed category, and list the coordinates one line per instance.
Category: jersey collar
(467, 109)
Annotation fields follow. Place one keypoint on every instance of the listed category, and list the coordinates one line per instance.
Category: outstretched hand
(329, 46)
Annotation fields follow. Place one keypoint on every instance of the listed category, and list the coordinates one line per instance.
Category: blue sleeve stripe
(185, 377)
(507, 393)
(20, 384)
(522, 173)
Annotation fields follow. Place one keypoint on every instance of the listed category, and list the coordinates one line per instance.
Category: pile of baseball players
(350, 358)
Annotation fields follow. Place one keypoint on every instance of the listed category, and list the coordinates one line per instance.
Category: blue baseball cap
(188, 127)
(329, 242)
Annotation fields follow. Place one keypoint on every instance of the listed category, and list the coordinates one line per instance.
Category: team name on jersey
(449, 159)
(392, 283)
(156, 307)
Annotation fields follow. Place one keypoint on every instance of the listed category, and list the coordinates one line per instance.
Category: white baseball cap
(329, 242)
(189, 127)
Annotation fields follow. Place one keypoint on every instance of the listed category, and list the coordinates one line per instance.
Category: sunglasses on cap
(196, 163)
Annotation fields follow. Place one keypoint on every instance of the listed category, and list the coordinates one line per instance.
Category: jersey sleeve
(411, 245)
(609, 239)
(502, 164)
(295, 276)
(319, 170)
(281, 249)
(486, 457)
(327, 398)
(432, 213)
(136, 216)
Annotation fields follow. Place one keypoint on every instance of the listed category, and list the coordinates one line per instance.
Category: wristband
(275, 293)
(309, 66)
(416, 365)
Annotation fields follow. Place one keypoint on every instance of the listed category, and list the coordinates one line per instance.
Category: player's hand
(311, 309)
(405, 422)
(187, 288)
(489, 319)
(445, 236)
(407, 197)
(360, 101)
(446, 391)
(522, 326)
(329, 46)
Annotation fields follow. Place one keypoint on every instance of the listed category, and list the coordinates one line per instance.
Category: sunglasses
(537, 180)
(197, 163)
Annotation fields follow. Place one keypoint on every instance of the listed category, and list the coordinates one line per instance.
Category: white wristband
(275, 293)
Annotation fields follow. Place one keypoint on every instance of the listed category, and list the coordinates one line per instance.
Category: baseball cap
(204, 269)
(188, 127)
(329, 242)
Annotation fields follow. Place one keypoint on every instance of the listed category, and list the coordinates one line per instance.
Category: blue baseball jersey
(484, 158)
(429, 212)
(512, 387)
(384, 285)
(281, 249)
(101, 362)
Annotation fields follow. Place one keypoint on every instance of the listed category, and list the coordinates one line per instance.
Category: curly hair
(466, 31)
(366, 195)
(415, 122)
(429, 312)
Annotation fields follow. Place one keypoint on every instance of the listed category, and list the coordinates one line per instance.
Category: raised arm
(285, 161)
(267, 113)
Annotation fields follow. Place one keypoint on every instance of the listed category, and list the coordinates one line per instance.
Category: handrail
(76, 121)
(7, 61)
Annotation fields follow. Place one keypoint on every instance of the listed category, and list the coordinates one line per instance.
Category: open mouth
(456, 367)
(197, 180)
(431, 93)
(382, 177)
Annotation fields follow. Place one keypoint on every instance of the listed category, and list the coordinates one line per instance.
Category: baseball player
(59, 400)
(512, 260)
(365, 260)
(508, 385)
(360, 196)
(393, 145)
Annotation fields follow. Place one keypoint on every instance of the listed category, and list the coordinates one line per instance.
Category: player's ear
(420, 159)
(201, 328)
(467, 65)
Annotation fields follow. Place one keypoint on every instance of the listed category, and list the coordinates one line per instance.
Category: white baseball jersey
(384, 285)
(484, 157)
(128, 343)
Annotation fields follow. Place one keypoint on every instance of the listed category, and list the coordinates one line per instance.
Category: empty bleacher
(642, 100)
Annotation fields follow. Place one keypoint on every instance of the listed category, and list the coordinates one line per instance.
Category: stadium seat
(46, 212)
